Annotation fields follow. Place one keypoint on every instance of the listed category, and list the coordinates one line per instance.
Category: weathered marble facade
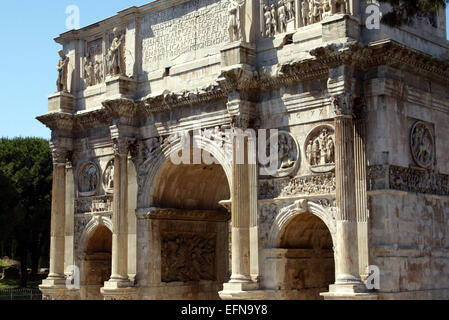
(363, 172)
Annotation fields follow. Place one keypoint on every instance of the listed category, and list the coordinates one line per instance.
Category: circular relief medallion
(108, 177)
(422, 144)
(88, 180)
(286, 156)
(320, 149)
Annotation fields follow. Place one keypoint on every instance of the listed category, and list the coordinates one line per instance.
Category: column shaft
(119, 220)
(346, 268)
(57, 233)
(240, 213)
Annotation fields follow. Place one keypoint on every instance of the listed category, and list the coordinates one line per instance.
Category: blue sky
(28, 56)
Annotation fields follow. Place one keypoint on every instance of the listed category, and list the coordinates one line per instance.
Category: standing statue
(269, 32)
(62, 67)
(114, 56)
(304, 12)
(290, 7)
(314, 11)
(282, 16)
(274, 24)
(234, 22)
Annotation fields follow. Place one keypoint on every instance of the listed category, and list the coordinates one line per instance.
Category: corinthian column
(240, 210)
(347, 282)
(119, 276)
(58, 205)
(244, 204)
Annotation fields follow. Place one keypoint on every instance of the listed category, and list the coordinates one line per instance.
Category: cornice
(171, 100)
(57, 120)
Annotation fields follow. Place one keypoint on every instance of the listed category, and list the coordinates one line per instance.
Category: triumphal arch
(165, 117)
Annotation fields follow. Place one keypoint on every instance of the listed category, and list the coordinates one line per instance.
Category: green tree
(404, 11)
(26, 167)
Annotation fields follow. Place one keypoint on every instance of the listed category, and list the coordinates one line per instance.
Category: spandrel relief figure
(108, 177)
(234, 20)
(282, 16)
(62, 67)
(115, 57)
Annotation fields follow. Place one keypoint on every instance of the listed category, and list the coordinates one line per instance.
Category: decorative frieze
(306, 185)
(96, 205)
(407, 179)
(188, 256)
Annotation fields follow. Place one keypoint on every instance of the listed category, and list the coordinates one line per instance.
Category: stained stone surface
(363, 172)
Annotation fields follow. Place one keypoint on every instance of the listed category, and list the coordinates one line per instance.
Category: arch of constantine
(359, 117)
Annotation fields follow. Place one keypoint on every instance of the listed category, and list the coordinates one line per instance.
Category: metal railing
(20, 294)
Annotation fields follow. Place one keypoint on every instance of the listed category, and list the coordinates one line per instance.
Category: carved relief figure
(98, 72)
(188, 257)
(89, 73)
(282, 16)
(88, 179)
(62, 67)
(287, 154)
(422, 144)
(320, 149)
(234, 21)
(115, 57)
(93, 62)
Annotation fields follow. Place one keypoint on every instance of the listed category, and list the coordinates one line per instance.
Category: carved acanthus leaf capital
(122, 146)
(342, 104)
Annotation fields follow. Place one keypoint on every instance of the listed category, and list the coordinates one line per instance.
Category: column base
(241, 291)
(57, 290)
(119, 290)
(348, 292)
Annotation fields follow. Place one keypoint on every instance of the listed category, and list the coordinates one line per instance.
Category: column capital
(121, 144)
(59, 154)
(343, 105)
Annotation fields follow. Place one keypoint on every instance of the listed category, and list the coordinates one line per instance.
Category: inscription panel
(191, 26)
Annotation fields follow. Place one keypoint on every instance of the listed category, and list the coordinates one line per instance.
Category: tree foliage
(25, 204)
(405, 11)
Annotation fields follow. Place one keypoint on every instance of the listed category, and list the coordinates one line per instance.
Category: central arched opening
(97, 262)
(192, 229)
(308, 264)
